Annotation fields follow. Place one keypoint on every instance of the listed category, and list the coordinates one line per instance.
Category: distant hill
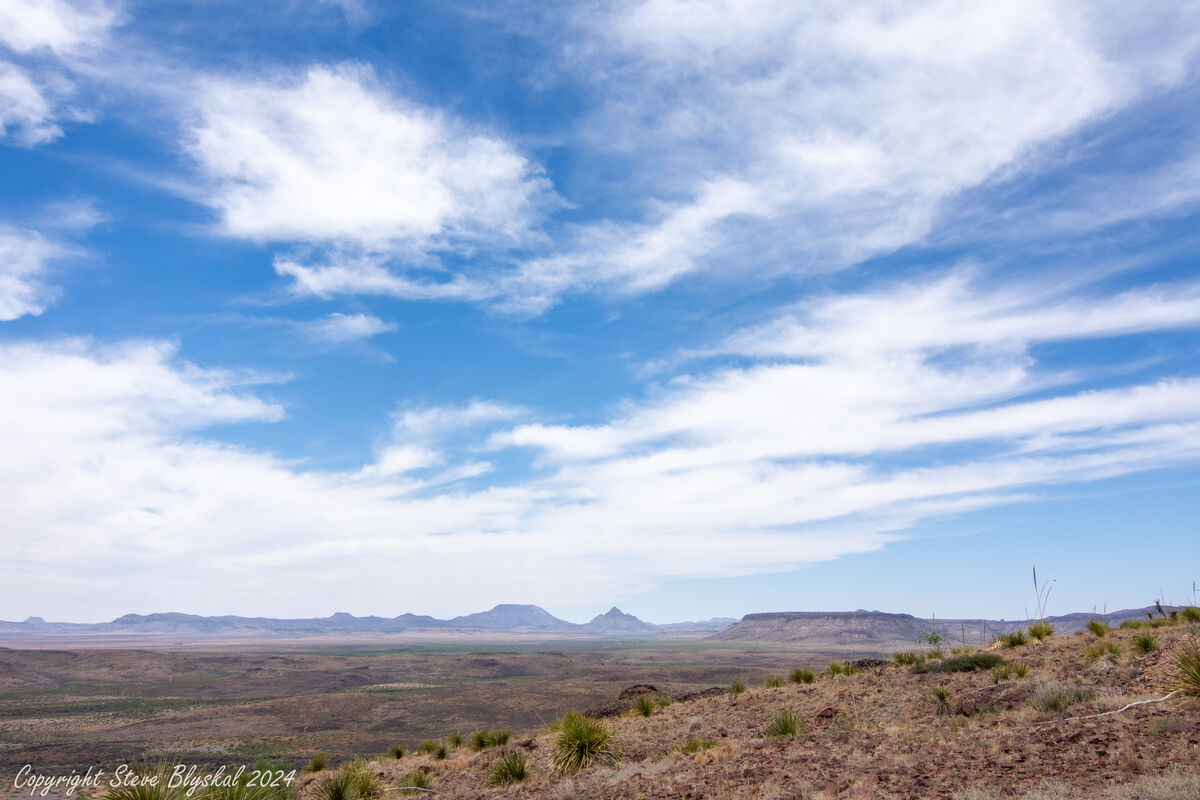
(877, 630)
(504, 618)
(616, 622)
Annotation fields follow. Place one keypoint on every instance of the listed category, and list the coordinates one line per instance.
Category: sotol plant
(773, 682)
(1099, 627)
(1145, 643)
(510, 767)
(803, 675)
(644, 705)
(1187, 670)
(783, 725)
(581, 741)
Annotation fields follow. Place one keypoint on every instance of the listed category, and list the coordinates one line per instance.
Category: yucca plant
(1098, 627)
(1014, 639)
(318, 763)
(145, 789)
(415, 781)
(510, 767)
(1041, 630)
(1145, 643)
(803, 675)
(501, 737)
(1000, 673)
(644, 705)
(480, 739)
(1021, 670)
(943, 695)
(338, 786)
(1187, 670)
(581, 741)
(1107, 649)
(456, 739)
(783, 725)
(362, 780)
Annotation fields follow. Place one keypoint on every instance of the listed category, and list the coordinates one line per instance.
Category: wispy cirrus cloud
(835, 440)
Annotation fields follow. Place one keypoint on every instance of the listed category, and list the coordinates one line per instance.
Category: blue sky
(695, 308)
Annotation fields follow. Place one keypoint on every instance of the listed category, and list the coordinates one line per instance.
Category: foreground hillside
(881, 732)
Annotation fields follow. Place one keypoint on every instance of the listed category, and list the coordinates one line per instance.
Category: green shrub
(803, 675)
(318, 763)
(581, 741)
(1187, 670)
(773, 682)
(965, 650)
(695, 745)
(415, 781)
(971, 663)
(644, 705)
(1145, 643)
(1190, 614)
(784, 725)
(1055, 698)
(1099, 627)
(905, 658)
(1014, 639)
(1107, 649)
(936, 652)
(396, 752)
(1132, 624)
(510, 767)
(737, 687)
(1041, 630)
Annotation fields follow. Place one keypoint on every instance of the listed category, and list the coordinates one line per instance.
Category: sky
(696, 308)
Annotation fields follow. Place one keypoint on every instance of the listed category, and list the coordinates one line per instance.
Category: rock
(1000, 696)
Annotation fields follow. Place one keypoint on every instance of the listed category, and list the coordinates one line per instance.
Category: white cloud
(48, 38)
(803, 455)
(334, 159)
(338, 329)
(26, 259)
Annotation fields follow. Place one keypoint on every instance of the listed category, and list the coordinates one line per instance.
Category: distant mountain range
(877, 630)
(504, 618)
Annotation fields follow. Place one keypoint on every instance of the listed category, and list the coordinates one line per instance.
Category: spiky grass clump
(737, 687)
(363, 781)
(1107, 650)
(582, 741)
(1021, 670)
(840, 668)
(1187, 670)
(338, 786)
(1014, 639)
(1041, 630)
(943, 695)
(695, 745)
(396, 752)
(1056, 698)
(965, 650)
(152, 783)
(318, 763)
(242, 790)
(429, 746)
(1190, 614)
(905, 658)
(773, 682)
(415, 781)
(511, 767)
(483, 738)
(456, 739)
(1132, 624)
(802, 675)
(644, 706)
(936, 652)
(783, 725)
(1000, 674)
(1145, 643)
(1098, 627)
